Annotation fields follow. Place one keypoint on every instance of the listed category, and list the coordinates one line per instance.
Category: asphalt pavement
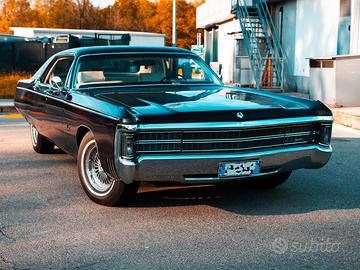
(47, 222)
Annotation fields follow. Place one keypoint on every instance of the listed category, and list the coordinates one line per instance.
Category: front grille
(226, 140)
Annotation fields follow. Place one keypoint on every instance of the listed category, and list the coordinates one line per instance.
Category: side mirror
(56, 82)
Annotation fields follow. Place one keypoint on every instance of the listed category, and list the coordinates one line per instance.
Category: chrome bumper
(204, 167)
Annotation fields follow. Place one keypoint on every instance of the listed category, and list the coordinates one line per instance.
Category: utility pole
(174, 25)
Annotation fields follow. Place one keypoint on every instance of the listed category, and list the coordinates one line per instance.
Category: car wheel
(98, 185)
(269, 182)
(40, 143)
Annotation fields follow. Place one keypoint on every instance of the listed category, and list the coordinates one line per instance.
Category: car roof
(121, 49)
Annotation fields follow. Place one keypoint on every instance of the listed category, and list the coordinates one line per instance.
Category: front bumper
(204, 167)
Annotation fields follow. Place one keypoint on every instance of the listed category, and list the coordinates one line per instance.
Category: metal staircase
(266, 55)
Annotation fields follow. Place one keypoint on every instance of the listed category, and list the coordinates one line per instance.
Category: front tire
(40, 144)
(98, 185)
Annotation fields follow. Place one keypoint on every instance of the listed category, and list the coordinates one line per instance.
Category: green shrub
(8, 83)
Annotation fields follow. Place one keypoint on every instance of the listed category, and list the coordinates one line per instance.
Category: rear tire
(40, 144)
(269, 182)
(99, 186)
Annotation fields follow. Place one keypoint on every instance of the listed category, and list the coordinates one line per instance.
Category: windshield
(144, 69)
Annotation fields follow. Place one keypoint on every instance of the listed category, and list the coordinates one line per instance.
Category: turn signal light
(325, 134)
(127, 146)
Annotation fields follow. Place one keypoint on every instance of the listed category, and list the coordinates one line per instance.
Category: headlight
(127, 145)
(325, 134)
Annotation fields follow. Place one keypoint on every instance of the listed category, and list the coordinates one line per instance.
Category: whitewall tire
(98, 185)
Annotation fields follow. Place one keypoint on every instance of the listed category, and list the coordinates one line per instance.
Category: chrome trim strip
(297, 134)
(247, 139)
(270, 146)
(229, 178)
(189, 156)
(295, 143)
(146, 85)
(160, 132)
(218, 131)
(142, 142)
(248, 124)
(176, 151)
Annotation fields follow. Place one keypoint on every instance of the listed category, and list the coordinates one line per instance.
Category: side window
(60, 69)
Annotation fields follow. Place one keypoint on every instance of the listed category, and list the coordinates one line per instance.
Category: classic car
(156, 114)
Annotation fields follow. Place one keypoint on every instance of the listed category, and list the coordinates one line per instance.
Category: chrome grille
(192, 141)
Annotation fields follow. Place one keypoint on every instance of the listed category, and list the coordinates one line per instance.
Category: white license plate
(234, 169)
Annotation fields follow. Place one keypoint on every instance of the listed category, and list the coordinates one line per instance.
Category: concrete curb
(7, 105)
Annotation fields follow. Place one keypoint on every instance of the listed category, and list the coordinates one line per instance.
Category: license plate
(234, 169)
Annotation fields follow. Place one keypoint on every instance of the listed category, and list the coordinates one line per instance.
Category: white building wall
(142, 40)
(355, 27)
(347, 81)
(213, 11)
(226, 48)
(310, 29)
(316, 32)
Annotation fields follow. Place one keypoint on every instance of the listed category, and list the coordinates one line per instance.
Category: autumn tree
(88, 16)
(185, 22)
(135, 15)
(125, 15)
(16, 13)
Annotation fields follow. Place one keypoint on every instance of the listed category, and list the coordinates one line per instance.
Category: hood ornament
(240, 115)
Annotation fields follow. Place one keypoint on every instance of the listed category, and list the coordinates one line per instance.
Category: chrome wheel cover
(97, 180)
(34, 135)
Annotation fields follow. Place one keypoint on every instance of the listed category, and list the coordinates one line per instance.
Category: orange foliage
(134, 15)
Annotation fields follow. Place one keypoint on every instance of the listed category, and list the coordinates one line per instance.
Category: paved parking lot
(47, 222)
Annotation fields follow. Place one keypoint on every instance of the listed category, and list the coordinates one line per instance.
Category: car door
(55, 98)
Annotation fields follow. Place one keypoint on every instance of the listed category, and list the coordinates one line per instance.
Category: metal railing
(258, 28)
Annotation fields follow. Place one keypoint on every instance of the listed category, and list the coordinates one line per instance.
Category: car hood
(169, 104)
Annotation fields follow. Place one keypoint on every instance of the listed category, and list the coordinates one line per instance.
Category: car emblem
(240, 115)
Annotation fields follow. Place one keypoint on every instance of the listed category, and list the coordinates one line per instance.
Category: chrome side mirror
(56, 82)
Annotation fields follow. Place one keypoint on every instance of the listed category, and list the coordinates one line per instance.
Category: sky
(103, 3)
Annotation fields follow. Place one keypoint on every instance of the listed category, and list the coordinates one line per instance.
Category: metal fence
(18, 54)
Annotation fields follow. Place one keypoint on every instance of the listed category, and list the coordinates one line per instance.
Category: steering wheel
(181, 77)
(168, 79)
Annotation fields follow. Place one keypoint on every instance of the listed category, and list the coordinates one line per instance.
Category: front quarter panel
(101, 118)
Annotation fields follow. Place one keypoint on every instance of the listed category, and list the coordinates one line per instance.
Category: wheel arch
(80, 134)
(107, 161)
